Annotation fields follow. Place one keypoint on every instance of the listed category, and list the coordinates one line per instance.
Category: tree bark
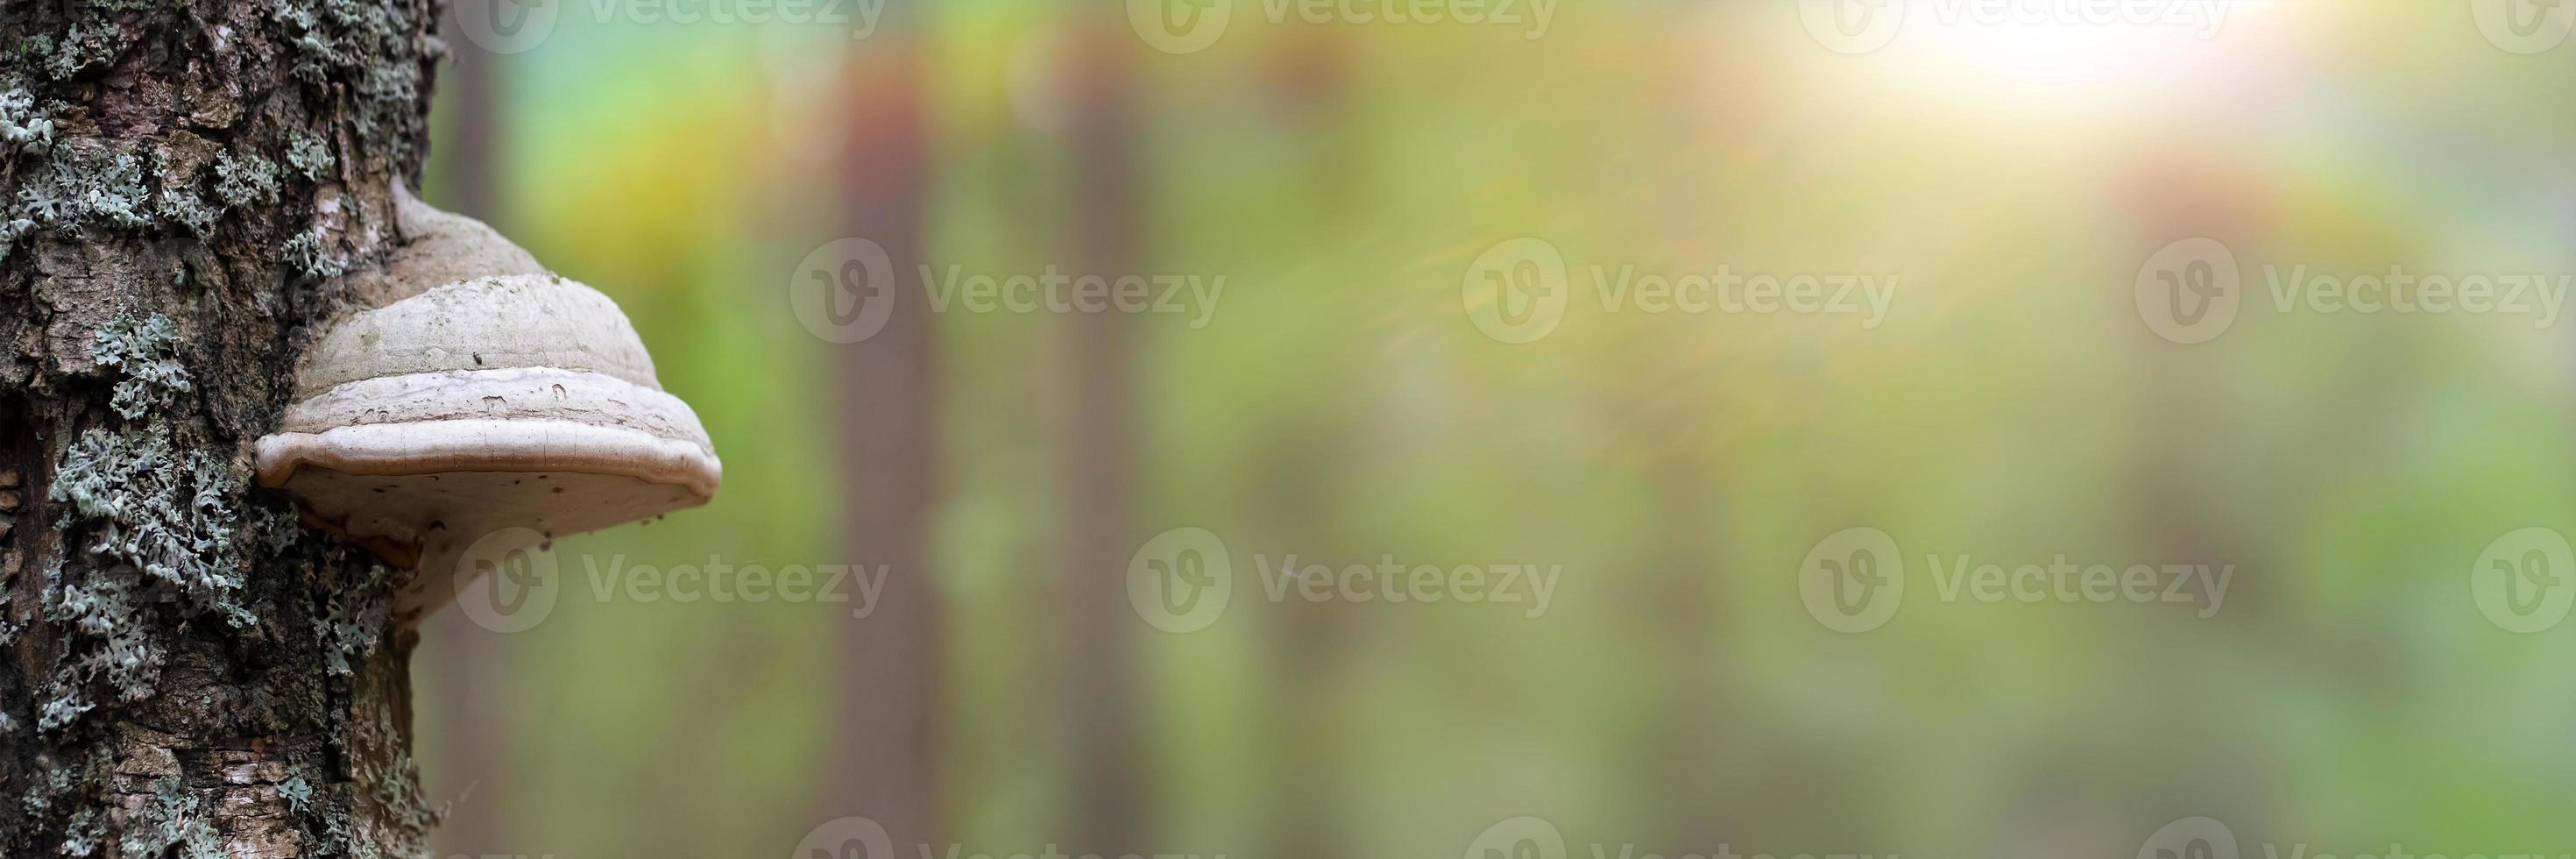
(189, 671)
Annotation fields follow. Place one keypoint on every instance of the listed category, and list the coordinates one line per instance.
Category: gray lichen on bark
(183, 186)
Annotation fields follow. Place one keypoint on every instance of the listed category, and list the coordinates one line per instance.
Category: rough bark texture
(182, 184)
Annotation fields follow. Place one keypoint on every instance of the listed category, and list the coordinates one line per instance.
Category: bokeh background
(1682, 471)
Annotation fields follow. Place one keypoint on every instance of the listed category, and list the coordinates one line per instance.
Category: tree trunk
(883, 763)
(189, 670)
(1100, 451)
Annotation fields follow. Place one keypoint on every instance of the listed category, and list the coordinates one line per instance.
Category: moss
(309, 155)
(86, 186)
(366, 47)
(180, 207)
(169, 819)
(142, 348)
(246, 180)
(297, 792)
(85, 45)
(21, 126)
(161, 525)
(306, 253)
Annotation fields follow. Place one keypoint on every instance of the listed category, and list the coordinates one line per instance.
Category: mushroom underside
(420, 494)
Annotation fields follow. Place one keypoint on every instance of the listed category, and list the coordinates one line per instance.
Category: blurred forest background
(1340, 405)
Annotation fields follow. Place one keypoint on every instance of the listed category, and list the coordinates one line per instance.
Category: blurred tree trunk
(1674, 601)
(1100, 450)
(472, 685)
(2190, 190)
(1309, 653)
(188, 670)
(1309, 87)
(884, 754)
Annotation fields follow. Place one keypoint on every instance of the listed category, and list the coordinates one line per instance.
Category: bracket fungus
(483, 396)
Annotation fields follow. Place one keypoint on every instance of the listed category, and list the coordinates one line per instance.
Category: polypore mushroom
(496, 398)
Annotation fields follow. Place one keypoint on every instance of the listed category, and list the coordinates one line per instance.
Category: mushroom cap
(438, 248)
(519, 401)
